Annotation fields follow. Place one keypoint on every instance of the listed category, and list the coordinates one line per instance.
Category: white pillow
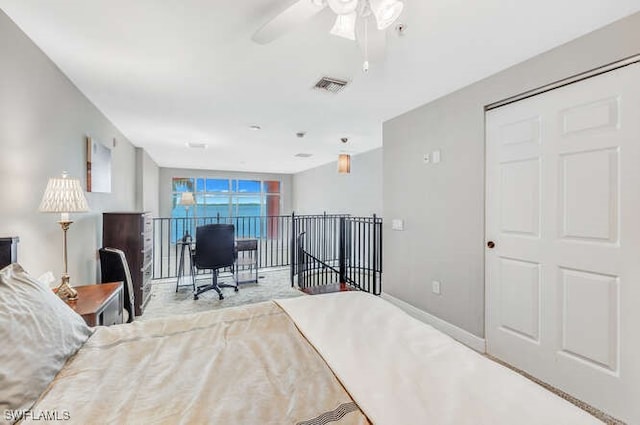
(38, 333)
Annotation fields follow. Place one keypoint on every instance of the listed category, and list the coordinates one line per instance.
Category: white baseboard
(459, 334)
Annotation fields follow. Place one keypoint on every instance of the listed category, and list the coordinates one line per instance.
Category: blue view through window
(217, 185)
(248, 186)
(199, 185)
(240, 202)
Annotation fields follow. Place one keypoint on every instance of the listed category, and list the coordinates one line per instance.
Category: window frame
(232, 194)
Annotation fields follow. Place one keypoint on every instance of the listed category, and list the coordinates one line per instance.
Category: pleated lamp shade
(187, 199)
(344, 163)
(63, 195)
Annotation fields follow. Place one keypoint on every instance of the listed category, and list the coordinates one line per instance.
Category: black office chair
(114, 268)
(215, 250)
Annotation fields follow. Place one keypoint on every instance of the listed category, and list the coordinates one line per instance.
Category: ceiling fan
(349, 14)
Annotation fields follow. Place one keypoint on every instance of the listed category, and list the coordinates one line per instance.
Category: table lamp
(187, 200)
(64, 195)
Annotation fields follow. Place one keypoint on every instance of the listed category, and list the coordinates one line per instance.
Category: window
(226, 197)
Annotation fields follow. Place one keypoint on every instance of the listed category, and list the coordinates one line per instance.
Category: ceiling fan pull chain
(365, 65)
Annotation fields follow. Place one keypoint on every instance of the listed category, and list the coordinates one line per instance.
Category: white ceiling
(179, 71)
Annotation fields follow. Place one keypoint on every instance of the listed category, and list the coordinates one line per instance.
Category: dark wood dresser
(133, 234)
(8, 250)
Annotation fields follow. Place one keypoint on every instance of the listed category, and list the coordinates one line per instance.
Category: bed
(342, 358)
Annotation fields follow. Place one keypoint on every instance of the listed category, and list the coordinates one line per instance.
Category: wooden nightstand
(99, 305)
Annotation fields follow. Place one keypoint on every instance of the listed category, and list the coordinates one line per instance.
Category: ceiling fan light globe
(345, 26)
(343, 7)
(386, 12)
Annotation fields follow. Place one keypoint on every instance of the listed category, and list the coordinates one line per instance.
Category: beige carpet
(165, 301)
(607, 419)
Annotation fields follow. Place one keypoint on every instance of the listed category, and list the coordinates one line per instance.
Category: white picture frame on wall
(98, 167)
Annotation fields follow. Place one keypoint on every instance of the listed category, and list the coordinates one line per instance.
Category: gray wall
(44, 120)
(147, 183)
(324, 189)
(443, 204)
(166, 174)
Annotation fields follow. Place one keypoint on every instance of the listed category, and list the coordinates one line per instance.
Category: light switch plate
(435, 157)
(397, 224)
(435, 287)
(426, 158)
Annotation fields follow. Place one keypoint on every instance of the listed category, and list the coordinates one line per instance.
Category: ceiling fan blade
(294, 15)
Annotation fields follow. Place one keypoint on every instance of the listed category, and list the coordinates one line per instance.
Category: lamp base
(65, 290)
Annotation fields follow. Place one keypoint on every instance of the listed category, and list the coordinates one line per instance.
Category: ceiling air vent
(332, 85)
(196, 145)
(303, 155)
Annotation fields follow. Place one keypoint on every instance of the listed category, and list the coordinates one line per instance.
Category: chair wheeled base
(213, 285)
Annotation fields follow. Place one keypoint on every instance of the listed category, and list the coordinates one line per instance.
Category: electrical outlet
(397, 224)
(435, 287)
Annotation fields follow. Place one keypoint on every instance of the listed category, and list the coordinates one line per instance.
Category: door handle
(491, 244)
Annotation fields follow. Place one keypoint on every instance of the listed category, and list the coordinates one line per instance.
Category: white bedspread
(242, 365)
(402, 371)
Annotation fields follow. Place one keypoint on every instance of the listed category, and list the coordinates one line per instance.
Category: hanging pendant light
(344, 163)
(344, 159)
(386, 11)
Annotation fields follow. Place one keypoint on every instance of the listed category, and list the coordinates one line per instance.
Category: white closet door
(563, 210)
